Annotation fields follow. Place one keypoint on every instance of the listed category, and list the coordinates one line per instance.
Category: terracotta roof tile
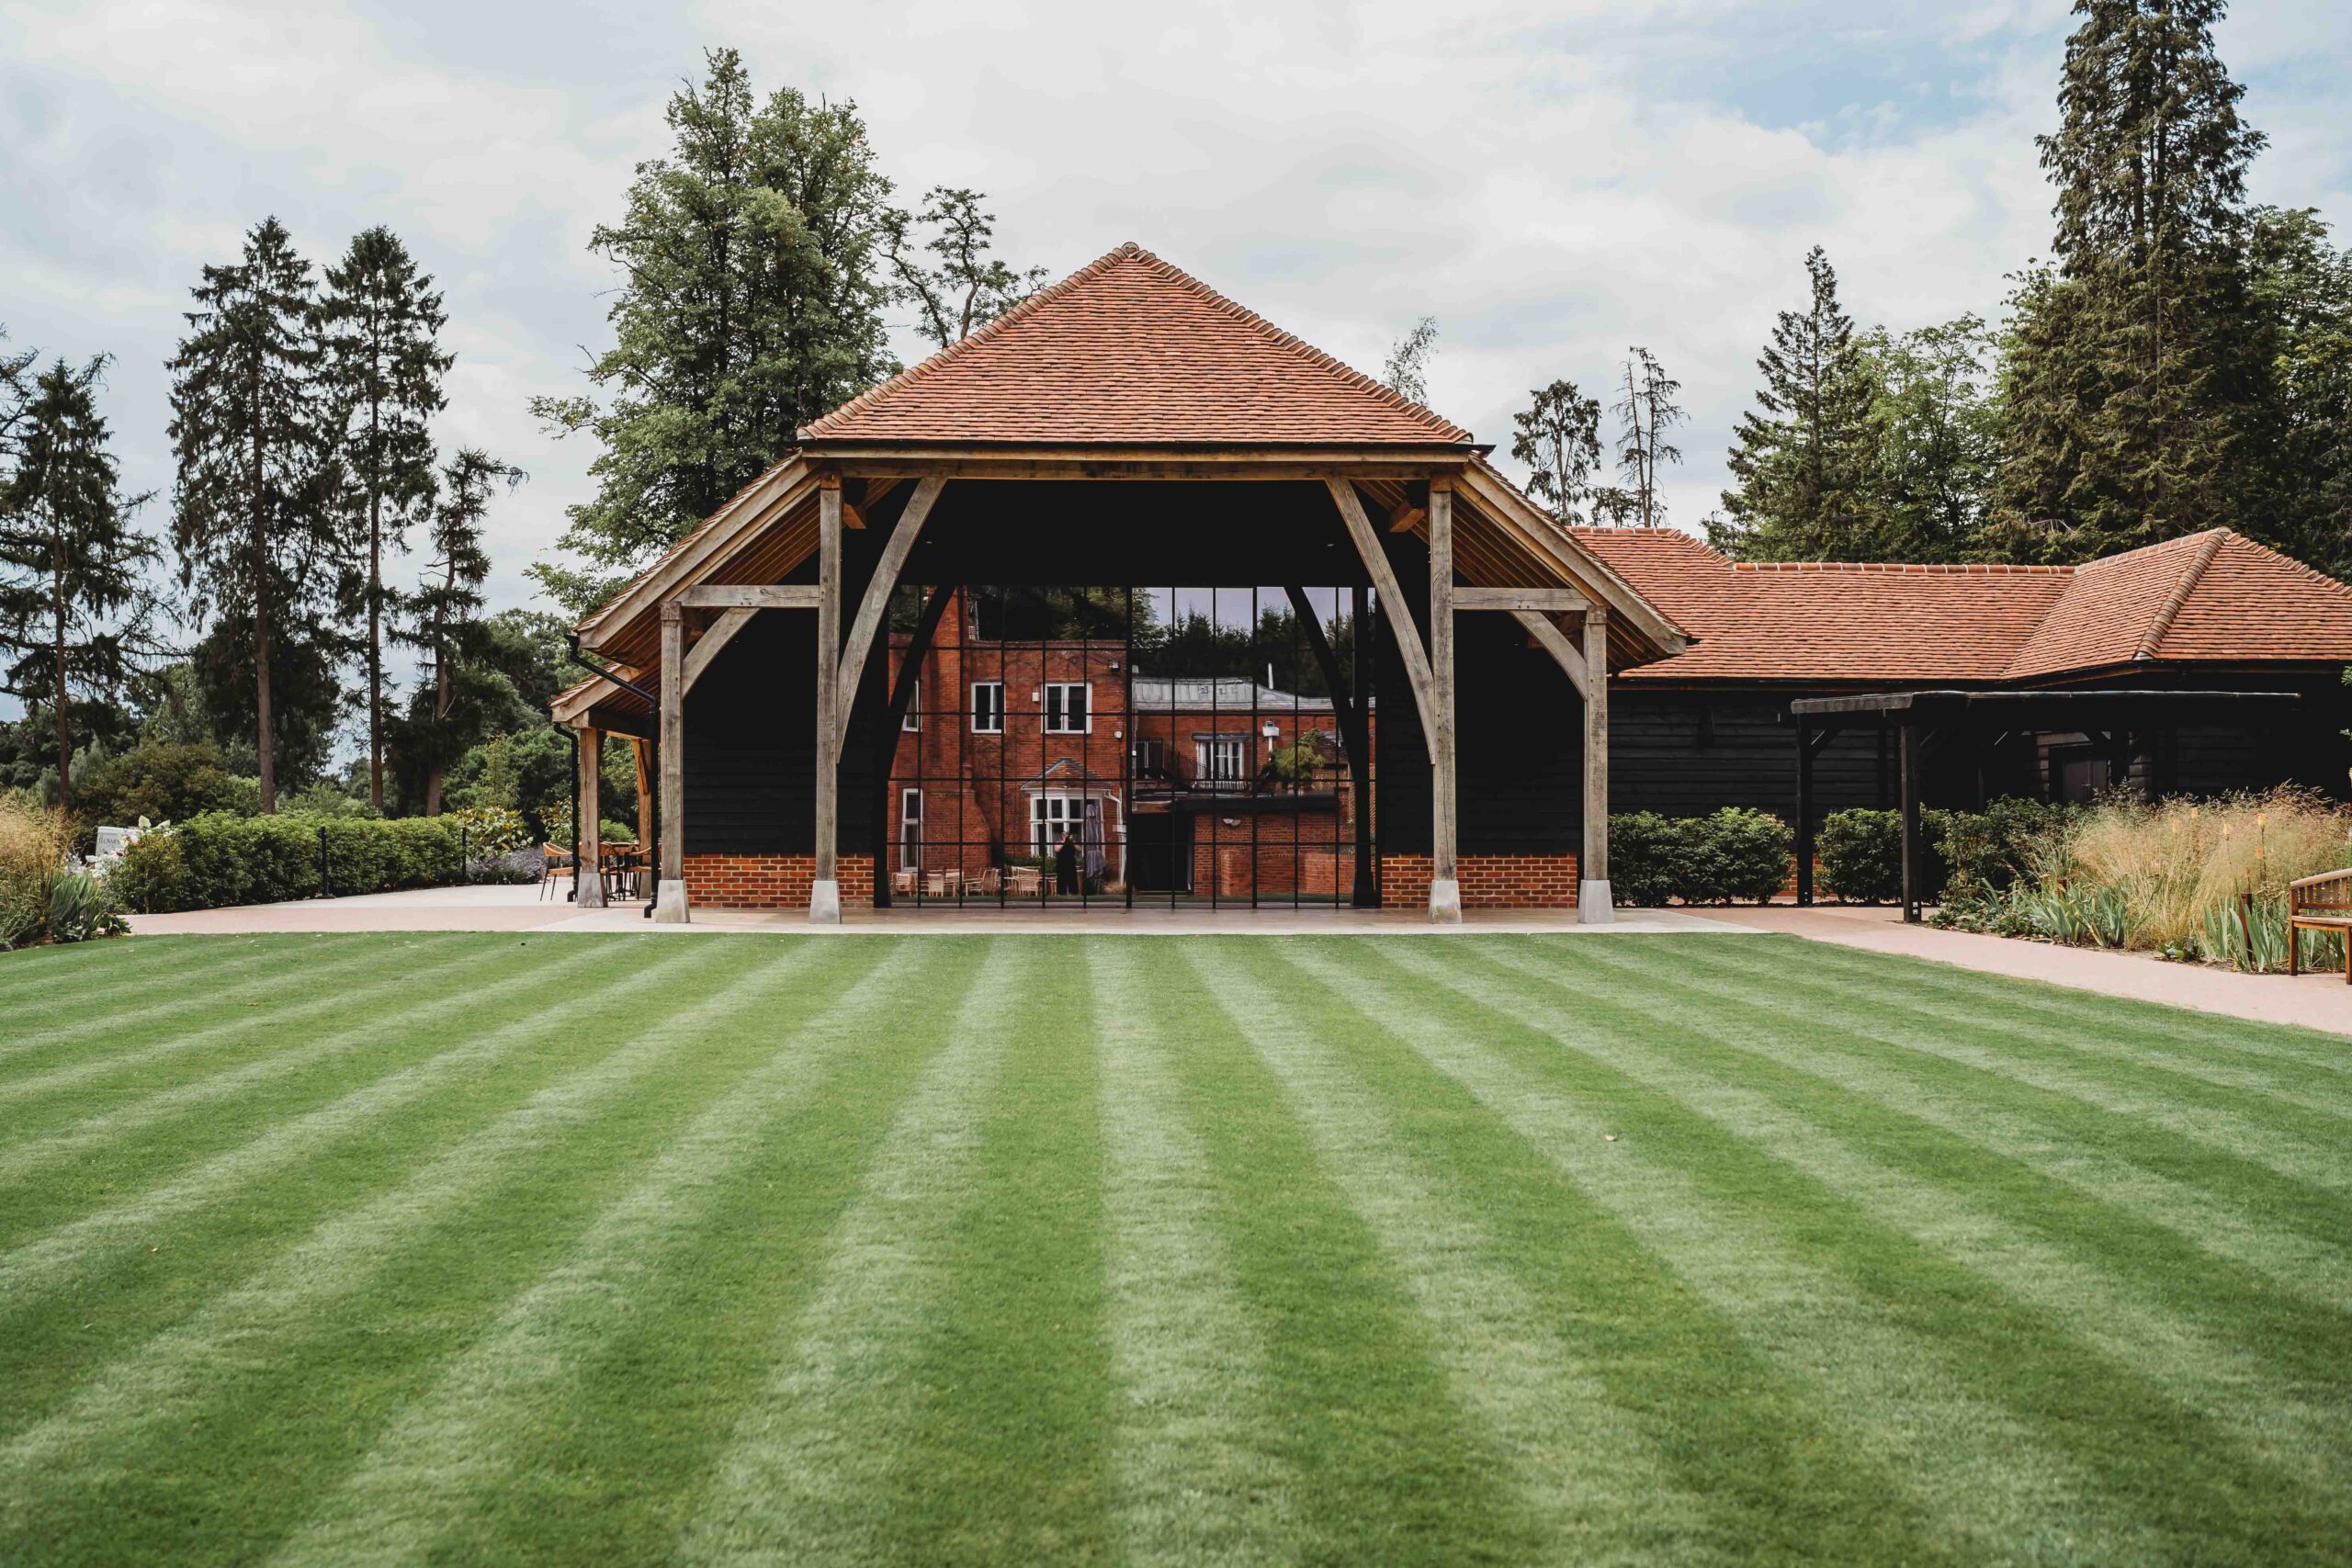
(1133, 351)
(2213, 597)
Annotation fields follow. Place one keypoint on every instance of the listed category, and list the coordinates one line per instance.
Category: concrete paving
(2314, 1001)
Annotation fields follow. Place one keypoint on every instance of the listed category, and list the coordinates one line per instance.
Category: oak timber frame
(1429, 482)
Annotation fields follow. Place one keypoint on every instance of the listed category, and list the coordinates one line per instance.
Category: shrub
(1988, 851)
(215, 860)
(1645, 851)
(164, 781)
(1734, 854)
(1861, 855)
(82, 908)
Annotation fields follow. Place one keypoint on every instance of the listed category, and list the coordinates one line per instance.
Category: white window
(1221, 759)
(987, 708)
(911, 829)
(914, 709)
(1068, 710)
(1051, 816)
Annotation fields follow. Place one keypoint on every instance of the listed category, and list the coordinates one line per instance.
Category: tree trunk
(264, 749)
(375, 608)
(433, 791)
(57, 651)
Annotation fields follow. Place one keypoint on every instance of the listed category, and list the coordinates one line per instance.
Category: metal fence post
(322, 863)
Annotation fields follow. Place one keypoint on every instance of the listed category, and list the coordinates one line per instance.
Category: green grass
(1033, 1249)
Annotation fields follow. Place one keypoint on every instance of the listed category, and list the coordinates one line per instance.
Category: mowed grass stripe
(1586, 1473)
(2292, 1233)
(34, 978)
(259, 1328)
(2301, 1057)
(67, 1131)
(55, 1258)
(78, 1018)
(1387, 1466)
(2141, 1296)
(441, 1463)
(292, 990)
(1196, 1463)
(2130, 1452)
(2281, 1131)
(1004, 1456)
(812, 1464)
(1874, 1380)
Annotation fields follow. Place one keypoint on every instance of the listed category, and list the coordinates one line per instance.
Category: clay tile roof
(1130, 350)
(2210, 597)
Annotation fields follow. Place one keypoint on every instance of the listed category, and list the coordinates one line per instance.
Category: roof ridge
(1448, 433)
(1943, 569)
(2169, 611)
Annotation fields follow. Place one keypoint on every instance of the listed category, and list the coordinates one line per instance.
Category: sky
(1553, 182)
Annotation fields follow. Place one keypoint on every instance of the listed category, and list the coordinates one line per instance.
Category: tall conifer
(1801, 461)
(383, 370)
(75, 599)
(253, 514)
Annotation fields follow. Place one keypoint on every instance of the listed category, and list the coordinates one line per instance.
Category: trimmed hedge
(219, 858)
(1731, 855)
(1859, 856)
(1977, 853)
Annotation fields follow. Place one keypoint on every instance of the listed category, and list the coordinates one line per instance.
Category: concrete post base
(825, 902)
(1596, 906)
(1445, 901)
(670, 902)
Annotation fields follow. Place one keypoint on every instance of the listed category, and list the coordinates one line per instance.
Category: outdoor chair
(554, 864)
(990, 883)
(2322, 903)
(624, 870)
(902, 881)
(1028, 882)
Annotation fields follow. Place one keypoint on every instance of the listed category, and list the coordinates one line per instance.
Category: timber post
(825, 889)
(1596, 903)
(1445, 888)
(1804, 813)
(669, 761)
(588, 875)
(1914, 857)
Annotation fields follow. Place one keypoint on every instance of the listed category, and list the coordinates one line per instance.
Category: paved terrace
(2313, 1001)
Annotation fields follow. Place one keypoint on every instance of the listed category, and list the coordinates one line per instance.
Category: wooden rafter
(871, 608)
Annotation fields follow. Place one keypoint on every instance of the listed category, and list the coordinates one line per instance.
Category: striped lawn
(432, 1248)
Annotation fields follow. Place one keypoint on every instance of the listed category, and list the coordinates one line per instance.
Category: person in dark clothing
(1065, 866)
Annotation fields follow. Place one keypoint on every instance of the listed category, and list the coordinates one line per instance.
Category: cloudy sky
(1552, 182)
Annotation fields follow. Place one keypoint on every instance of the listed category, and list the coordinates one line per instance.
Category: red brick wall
(1488, 882)
(1296, 853)
(771, 882)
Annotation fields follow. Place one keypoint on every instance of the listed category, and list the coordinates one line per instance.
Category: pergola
(1129, 376)
(1916, 717)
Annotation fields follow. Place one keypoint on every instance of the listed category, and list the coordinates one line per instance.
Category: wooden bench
(2322, 903)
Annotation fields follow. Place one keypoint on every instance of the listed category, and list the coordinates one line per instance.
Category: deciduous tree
(1648, 410)
(966, 286)
(1558, 437)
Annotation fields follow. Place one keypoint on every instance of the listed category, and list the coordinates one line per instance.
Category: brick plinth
(771, 882)
(1488, 882)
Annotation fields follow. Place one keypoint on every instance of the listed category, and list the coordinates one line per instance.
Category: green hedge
(1731, 855)
(219, 859)
(1977, 852)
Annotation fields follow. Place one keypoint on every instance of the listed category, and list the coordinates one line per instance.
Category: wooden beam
(853, 516)
(612, 721)
(670, 755)
(641, 753)
(715, 638)
(1595, 901)
(1406, 517)
(748, 595)
(1915, 872)
(1804, 811)
(1555, 641)
(876, 603)
(1544, 601)
(1445, 888)
(1399, 619)
(588, 876)
(892, 730)
(825, 893)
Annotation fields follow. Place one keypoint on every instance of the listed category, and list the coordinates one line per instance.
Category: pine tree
(1935, 434)
(967, 287)
(445, 615)
(1648, 410)
(1559, 440)
(253, 516)
(383, 367)
(1803, 456)
(75, 604)
(750, 305)
(2134, 368)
